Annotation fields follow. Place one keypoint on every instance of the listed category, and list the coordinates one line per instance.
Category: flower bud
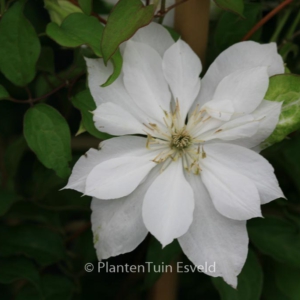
(60, 9)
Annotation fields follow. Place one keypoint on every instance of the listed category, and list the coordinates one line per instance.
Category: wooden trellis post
(192, 22)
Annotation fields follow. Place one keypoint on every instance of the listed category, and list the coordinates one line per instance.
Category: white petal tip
(233, 282)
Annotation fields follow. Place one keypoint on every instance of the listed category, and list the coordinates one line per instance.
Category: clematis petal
(220, 110)
(249, 164)
(112, 148)
(213, 239)
(268, 116)
(155, 36)
(118, 225)
(169, 204)
(114, 93)
(118, 177)
(182, 68)
(242, 127)
(144, 79)
(115, 120)
(234, 195)
(242, 55)
(244, 88)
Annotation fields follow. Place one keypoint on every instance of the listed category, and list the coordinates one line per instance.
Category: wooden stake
(192, 22)
(166, 287)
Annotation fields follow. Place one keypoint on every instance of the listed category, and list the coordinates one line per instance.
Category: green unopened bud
(60, 9)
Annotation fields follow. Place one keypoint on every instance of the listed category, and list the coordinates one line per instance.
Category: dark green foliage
(45, 233)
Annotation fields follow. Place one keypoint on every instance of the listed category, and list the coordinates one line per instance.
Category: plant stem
(281, 24)
(293, 26)
(162, 11)
(265, 19)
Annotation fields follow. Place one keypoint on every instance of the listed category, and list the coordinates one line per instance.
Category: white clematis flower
(191, 174)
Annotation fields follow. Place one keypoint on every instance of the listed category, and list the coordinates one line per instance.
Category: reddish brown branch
(265, 19)
(33, 100)
(39, 98)
(162, 13)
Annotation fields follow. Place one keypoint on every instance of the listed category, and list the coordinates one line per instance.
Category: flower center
(181, 140)
(175, 140)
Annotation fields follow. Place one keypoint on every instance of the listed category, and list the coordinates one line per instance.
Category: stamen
(175, 140)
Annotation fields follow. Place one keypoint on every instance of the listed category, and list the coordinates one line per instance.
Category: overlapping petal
(249, 164)
(115, 120)
(239, 56)
(214, 240)
(114, 93)
(182, 68)
(155, 36)
(268, 116)
(109, 149)
(118, 225)
(245, 89)
(144, 80)
(118, 177)
(169, 204)
(234, 195)
(238, 128)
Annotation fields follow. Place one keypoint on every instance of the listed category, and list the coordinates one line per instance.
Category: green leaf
(57, 287)
(287, 279)
(46, 60)
(76, 30)
(20, 46)
(13, 155)
(14, 269)
(53, 287)
(86, 6)
(7, 199)
(231, 28)
(28, 293)
(60, 9)
(125, 19)
(85, 103)
(284, 88)
(235, 6)
(277, 238)
(3, 93)
(287, 48)
(43, 245)
(158, 257)
(250, 282)
(117, 62)
(48, 135)
(174, 34)
(29, 211)
(271, 290)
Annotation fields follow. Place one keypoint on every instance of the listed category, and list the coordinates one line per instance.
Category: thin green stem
(162, 10)
(42, 34)
(280, 25)
(293, 27)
